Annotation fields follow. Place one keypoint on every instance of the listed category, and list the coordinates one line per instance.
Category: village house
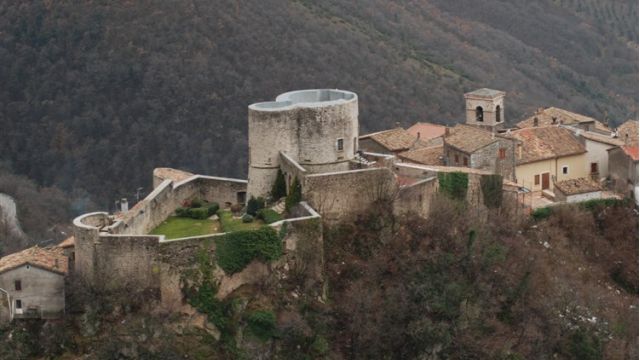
(623, 170)
(32, 284)
(597, 146)
(554, 116)
(431, 155)
(477, 148)
(576, 190)
(430, 133)
(628, 132)
(546, 155)
(393, 141)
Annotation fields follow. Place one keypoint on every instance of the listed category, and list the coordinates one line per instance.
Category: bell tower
(485, 107)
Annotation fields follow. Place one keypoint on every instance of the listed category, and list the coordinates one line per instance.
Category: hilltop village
(308, 164)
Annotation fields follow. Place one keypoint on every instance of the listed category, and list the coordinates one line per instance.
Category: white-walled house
(32, 283)
(597, 157)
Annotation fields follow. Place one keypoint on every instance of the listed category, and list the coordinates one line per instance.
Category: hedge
(235, 250)
(268, 216)
(198, 213)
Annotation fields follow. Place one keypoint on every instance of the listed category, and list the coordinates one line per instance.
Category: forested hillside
(95, 94)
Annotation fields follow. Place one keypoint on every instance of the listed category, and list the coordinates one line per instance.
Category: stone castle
(311, 138)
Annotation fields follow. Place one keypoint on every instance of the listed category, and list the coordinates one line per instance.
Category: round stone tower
(316, 128)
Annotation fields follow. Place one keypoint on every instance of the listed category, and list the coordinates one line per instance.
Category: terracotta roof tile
(632, 151)
(397, 139)
(427, 156)
(605, 139)
(541, 143)
(426, 130)
(577, 186)
(469, 138)
(629, 128)
(545, 118)
(51, 259)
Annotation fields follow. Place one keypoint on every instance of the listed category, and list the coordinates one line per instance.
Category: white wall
(597, 152)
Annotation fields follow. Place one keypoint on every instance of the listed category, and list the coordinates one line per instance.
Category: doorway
(545, 181)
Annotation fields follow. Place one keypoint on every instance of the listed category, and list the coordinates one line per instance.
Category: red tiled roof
(427, 156)
(397, 139)
(541, 143)
(577, 186)
(632, 151)
(51, 259)
(426, 130)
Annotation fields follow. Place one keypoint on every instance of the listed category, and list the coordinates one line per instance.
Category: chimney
(418, 134)
(446, 131)
(124, 205)
(535, 121)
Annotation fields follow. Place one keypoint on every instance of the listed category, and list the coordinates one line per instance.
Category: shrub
(491, 190)
(268, 216)
(262, 324)
(279, 188)
(295, 194)
(213, 208)
(254, 205)
(198, 213)
(320, 346)
(182, 212)
(585, 346)
(236, 208)
(541, 213)
(237, 249)
(246, 218)
(196, 203)
(454, 184)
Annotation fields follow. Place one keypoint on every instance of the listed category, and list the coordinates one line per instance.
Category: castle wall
(416, 198)
(340, 195)
(291, 169)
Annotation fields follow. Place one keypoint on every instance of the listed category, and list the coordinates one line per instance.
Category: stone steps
(279, 207)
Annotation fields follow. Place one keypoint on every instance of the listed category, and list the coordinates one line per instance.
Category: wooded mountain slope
(96, 94)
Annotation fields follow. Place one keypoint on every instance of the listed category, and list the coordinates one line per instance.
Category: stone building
(316, 128)
(477, 148)
(623, 169)
(32, 284)
(576, 190)
(485, 108)
(597, 158)
(555, 116)
(548, 153)
(392, 141)
(628, 132)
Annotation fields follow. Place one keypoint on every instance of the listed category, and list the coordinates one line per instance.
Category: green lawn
(230, 224)
(178, 227)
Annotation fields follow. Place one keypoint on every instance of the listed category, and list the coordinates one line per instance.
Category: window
(340, 144)
(498, 115)
(18, 304)
(565, 170)
(594, 168)
(18, 285)
(479, 114)
(465, 161)
(502, 153)
(536, 180)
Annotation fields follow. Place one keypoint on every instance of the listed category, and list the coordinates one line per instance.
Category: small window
(536, 180)
(502, 153)
(594, 168)
(18, 304)
(465, 161)
(18, 285)
(498, 115)
(565, 170)
(340, 144)
(457, 158)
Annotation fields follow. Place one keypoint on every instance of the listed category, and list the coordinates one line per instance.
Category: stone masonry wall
(341, 195)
